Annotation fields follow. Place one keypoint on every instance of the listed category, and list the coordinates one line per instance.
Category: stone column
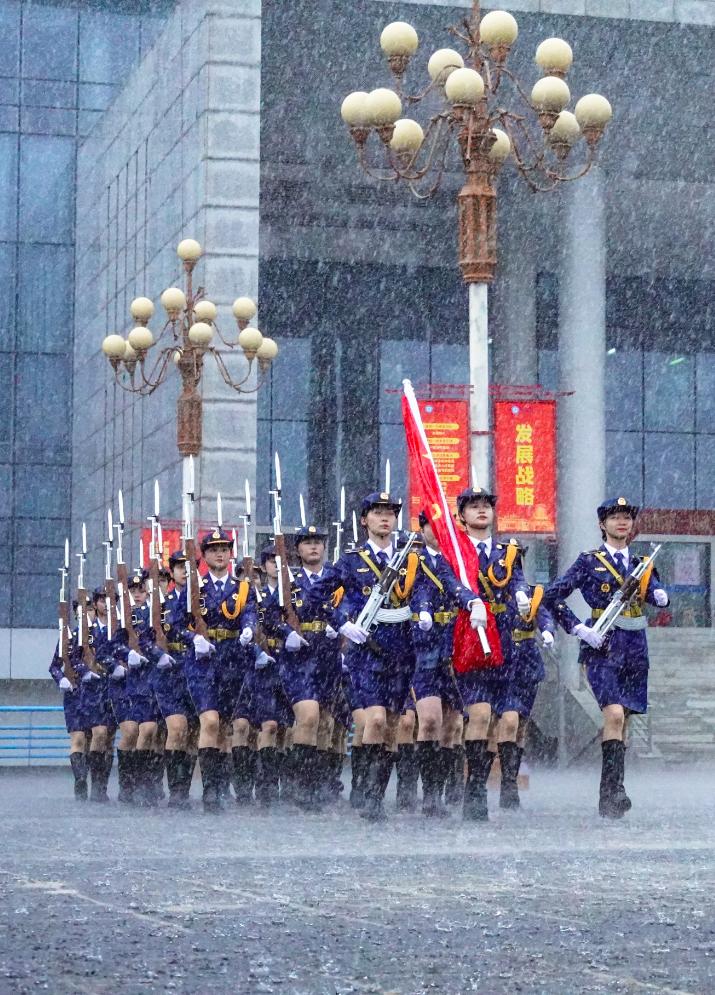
(582, 350)
(514, 327)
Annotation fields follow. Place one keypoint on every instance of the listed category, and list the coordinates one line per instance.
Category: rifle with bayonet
(125, 598)
(379, 599)
(625, 595)
(156, 598)
(193, 590)
(110, 587)
(285, 581)
(83, 640)
(339, 527)
(65, 630)
(246, 519)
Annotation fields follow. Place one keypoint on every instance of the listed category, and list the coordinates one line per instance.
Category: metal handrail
(40, 742)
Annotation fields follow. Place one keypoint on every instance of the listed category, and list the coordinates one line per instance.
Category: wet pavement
(552, 899)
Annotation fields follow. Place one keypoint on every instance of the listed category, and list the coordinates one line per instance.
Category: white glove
(246, 636)
(119, 673)
(135, 659)
(165, 661)
(593, 639)
(330, 632)
(89, 677)
(294, 641)
(477, 613)
(661, 598)
(203, 646)
(65, 684)
(425, 622)
(522, 602)
(263, 659)
(353, 632)
(548, 637)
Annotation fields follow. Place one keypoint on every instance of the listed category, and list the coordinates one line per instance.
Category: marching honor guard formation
(257, 672)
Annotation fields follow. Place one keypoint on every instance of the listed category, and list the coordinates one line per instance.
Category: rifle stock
(88, 657)
(64, 619)
(289, 612)
(192, 580)
(123, 581)
(157, 622)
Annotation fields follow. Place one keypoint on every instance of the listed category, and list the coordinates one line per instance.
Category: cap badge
(384, 496)
(622, 501)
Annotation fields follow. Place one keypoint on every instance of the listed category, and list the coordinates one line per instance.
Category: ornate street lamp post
(187, 335)
(479, 101)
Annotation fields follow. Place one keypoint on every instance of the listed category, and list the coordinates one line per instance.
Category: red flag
(456, 547)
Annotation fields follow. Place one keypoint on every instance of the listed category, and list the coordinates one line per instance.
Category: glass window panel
(42, 425)
(6, 533)
(684, 568)
(42, 491)
(400, 358)
(290, 441)
(289, 394)
(10, 34)
(5, 595)
(9, 119)
(9, 91)
(109, 46)
(262, 512)
(8, 255)
(392, 447)
(8, 187)
(624, 464)
(669, 462)
(669, 387)
(548, 373)
(450, 363)
(624, 389)
(705, 470)
(41, 93)
(46, 189)
(705, 389)
(49, 42)
(86, 121)
(48, 121)
(96, 96)
(45, 318)
(5, 491)
(6, 380)
(40, 610)
(39, 557)
(32, 531)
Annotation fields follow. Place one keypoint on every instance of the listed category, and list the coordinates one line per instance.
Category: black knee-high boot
(145, 778)
(267, 777)
(431, 765)
(357, 776)
(176, 767)
(378, 762)
(78, 763)
(479, 763)
(613, 802)
(408, 771)
(125, 776)
(509, 762)
(454, 786)
(209, 760)
(305, 761)
(98, 787)
(242, 775)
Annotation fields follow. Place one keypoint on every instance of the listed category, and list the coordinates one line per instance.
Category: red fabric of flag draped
(455, 546)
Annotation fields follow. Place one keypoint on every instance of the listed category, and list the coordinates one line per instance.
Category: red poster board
(171, 541)
(525, 465)
(446, 423)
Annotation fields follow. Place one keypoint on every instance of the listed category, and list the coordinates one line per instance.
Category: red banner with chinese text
(446, 424)
(525, 465)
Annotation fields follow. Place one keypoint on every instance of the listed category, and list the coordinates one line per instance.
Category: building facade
(223, 124)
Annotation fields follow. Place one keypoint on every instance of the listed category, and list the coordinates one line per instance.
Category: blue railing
(36, 741)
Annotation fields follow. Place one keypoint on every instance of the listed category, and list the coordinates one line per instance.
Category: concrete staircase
(682, 694)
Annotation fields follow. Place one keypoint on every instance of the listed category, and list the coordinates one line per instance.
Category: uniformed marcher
(75, 722)
(617, 666)
(436, 599)
(503, 585)
(311, 670)
(172, 691)
(524, 672)
(217, 664)
(94, 695)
